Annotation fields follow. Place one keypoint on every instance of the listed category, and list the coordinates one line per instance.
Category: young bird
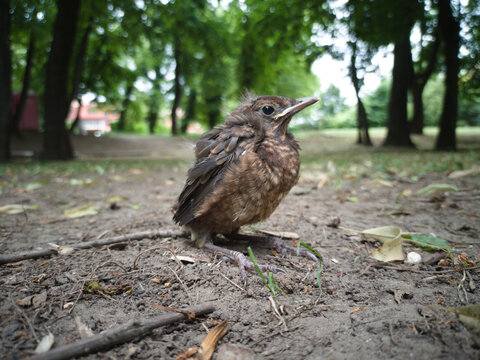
(243, 170)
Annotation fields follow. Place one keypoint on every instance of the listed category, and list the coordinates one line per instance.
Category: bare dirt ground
(365, 309)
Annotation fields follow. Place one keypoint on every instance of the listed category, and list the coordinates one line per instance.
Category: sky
(331, 71)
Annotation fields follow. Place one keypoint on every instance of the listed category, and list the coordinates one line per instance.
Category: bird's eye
(267, 109)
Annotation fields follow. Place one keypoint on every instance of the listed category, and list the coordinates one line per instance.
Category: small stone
(413, 258)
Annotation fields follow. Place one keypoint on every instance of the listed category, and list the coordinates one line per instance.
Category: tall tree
(398, 133)
(5, 80)
(383, 22)
(423, 67)
(450, 32)
(56, 139)
(362, 119)
(27, 75)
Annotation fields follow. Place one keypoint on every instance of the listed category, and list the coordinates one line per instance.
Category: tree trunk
(76, 122)
(177, 87)
(419, 82)
(398, 131)
(56, 139)
(125, 103)
(449, 29)
(5, 80)
(190, 114)
(416, 125)
(17, 117)
(78, 69)
(213, 110)
(362, 119)
(153, 113)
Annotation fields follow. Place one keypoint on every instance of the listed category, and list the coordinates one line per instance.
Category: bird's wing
(215, 152)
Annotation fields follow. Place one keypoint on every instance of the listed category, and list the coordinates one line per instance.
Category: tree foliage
(186, 61)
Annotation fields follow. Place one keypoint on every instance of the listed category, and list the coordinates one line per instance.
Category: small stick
(118, 335)
(23, 255)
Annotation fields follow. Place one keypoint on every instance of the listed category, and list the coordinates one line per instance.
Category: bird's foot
(275, 243)
(241, 260)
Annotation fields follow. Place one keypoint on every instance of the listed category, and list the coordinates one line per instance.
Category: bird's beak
(300, 104)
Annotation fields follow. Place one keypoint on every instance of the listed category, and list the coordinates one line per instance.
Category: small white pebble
(413, 258)
(335, 260)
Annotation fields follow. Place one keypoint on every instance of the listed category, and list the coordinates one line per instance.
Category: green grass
(99, 167)
(319, 149)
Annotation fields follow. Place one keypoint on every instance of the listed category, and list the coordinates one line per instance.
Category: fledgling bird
(243, 170)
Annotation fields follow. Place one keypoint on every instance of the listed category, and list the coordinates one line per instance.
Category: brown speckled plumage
(243, 168)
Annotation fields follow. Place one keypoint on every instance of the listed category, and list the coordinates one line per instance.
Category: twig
(232, 282)
(390, 329)
(181, 282)
(118, 335)
(277, 314)
(145, 251)
(25, 317)
(10, 258)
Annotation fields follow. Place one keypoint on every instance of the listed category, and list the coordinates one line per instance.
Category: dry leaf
(33, 300)
(468, 314)
(113, 199)
(383, 233)
(437, 188)
(45, 344)
(12, 209)
(391, 250)
(80, 211)
(461, 173)
(379, 183)
(83, 330)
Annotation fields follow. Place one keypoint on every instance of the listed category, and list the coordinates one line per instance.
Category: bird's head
(274, 112)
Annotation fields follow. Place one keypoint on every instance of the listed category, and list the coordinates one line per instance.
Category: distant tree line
(148, 56)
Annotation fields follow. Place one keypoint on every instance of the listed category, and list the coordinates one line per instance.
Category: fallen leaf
(468, 314)
(80, 211)
(379, 183)
(322, 180)
(113, 199)
(33, 186)
(206, 349)
(437, 188)
(33, 300)
(45, 344)
(356, 309)
(12, 209)
(429, 242)
(83, 330)
(407, 192)
(383, 233)
(391, 250)
(461, 173)
(80, 182)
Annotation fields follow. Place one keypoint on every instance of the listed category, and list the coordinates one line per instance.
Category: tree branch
(10, 258)
(120, 334)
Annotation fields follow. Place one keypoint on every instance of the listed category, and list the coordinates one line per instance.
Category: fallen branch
(34, 254)
(119, 335)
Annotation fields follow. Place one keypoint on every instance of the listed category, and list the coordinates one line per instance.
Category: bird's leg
(273, 242)
(241, 260)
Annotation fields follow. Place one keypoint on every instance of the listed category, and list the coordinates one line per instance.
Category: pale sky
(331, 71)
